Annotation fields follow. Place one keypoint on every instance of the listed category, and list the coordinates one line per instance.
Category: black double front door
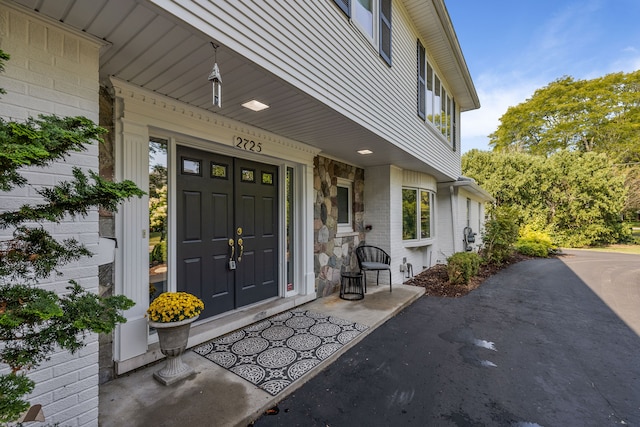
(227, 229)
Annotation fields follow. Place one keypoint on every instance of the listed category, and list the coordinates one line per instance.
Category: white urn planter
(173, 337)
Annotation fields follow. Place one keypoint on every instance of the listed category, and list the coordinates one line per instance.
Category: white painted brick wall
(55, 71)
(418, 257)
(383, 210)
(378, 212)
(377, 204)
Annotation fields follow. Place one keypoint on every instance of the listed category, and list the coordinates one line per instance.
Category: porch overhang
(156, 45)
(470, 185)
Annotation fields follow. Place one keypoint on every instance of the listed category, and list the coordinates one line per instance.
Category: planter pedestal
(173, 337)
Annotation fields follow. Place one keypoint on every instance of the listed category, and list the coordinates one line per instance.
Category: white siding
(314, 47)
(444, 225)
(54, 71)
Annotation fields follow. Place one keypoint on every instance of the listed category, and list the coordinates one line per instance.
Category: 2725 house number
(247, 144)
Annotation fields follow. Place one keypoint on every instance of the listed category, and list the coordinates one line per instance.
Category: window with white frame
(373, 18)
(435, 104)
(158, 218)
(345, 205)
(417, 214)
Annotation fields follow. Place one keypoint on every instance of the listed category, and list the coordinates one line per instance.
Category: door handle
(232, 262)
(240, 243)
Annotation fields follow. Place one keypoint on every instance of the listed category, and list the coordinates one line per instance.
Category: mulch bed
(436, 281)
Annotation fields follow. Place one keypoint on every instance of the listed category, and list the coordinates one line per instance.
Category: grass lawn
(626, 249)
(154, 238)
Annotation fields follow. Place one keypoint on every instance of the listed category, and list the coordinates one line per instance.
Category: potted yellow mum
(171, 315)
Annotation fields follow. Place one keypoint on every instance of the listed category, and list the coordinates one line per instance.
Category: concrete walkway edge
(218, 397)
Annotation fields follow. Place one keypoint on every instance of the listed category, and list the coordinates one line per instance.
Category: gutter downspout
(453, 217)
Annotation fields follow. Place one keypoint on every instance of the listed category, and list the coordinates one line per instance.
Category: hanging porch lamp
(216, 80)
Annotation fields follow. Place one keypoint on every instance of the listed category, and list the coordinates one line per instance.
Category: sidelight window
(290, 203)
(158, 217)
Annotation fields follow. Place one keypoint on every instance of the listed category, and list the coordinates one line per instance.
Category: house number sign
(247, 144)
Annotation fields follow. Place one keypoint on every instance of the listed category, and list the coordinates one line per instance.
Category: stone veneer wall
(107, 228)
(334, 252)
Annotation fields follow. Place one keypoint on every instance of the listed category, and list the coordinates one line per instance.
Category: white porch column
(132, 224)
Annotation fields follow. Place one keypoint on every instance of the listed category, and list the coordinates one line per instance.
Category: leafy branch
(34, 321)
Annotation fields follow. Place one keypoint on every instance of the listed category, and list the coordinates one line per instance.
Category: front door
(227, 229)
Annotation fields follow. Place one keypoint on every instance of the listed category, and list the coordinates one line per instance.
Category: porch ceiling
(155, 51)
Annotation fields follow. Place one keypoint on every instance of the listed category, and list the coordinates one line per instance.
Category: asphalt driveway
(547, 342)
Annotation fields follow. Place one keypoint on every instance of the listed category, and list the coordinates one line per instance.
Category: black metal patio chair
(372, 258)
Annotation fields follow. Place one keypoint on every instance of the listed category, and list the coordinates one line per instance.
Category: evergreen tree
(35, 321)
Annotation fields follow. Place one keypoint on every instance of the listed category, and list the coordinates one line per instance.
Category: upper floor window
(373, 18)
(435, 105)
(363, 15)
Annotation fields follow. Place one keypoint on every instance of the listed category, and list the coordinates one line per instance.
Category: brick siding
(53, 71)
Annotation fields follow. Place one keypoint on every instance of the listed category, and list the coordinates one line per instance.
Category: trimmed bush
(530, 248)
(534, 243)
(462, 266)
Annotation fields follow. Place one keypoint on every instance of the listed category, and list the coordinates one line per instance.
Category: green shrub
(462, 266)
(531, 248)
(159, 253)
(500, 234)
(534, 243)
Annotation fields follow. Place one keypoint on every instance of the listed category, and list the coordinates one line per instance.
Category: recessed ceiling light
(363, 152)
(255, 105)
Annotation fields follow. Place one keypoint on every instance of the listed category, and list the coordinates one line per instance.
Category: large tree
(600, 115)
(576, 197)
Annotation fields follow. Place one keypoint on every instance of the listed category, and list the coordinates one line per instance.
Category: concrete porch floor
(217, 397)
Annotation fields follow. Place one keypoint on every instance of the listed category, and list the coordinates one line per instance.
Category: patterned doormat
(275, 352)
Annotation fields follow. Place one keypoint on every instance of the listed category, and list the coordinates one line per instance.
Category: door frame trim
(140, 113)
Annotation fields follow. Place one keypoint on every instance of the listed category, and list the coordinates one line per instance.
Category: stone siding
(107, 228)
(333, 252)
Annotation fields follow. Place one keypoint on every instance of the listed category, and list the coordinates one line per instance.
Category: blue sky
(513, 47)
